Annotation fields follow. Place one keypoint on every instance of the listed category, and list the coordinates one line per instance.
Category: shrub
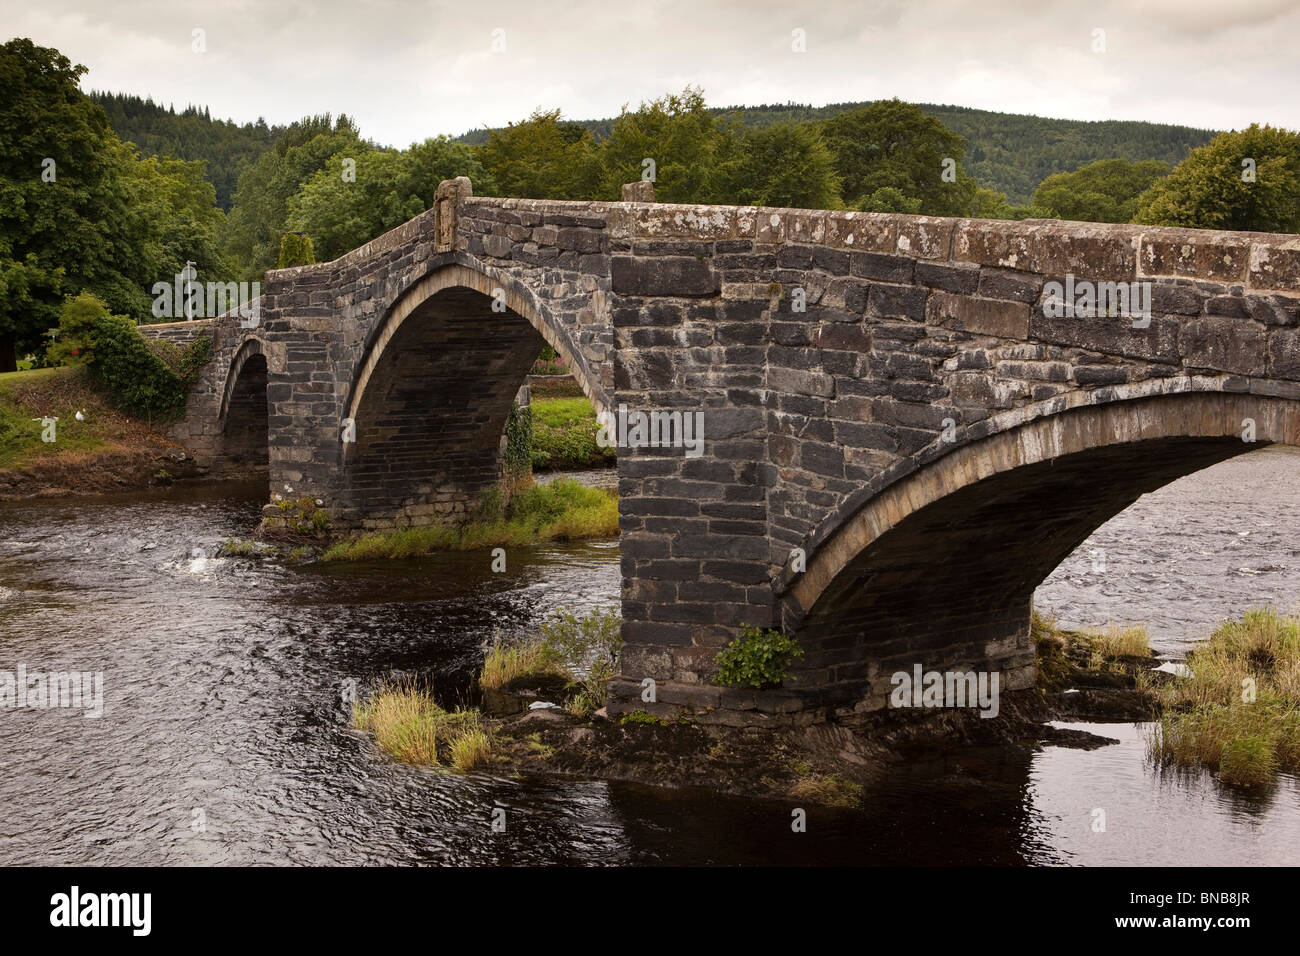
(758, 659)
(585, 648)
(144, 376)
(72, 345)
(193, 357)
(519, 442)
(295, 250)
(139, 381)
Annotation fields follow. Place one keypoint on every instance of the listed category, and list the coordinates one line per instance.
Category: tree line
(84, 211)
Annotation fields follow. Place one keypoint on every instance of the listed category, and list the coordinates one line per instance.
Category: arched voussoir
(518, 299)
(250, 347)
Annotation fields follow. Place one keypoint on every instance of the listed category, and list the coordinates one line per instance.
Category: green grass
(641, 717)
(57, 393)
(581, 650)
(1238, 710)
(561, 509)
(1122, 642)
(237, 548)
(505, 663)
(409, 726)
(564, 435)
(831, 790)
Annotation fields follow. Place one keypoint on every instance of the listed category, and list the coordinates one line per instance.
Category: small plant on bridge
(757, 660)
(519, 442)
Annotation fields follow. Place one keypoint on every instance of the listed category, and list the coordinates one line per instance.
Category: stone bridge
(903, 434)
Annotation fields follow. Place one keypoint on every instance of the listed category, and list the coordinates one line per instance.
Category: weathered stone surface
(1007, 320)
(677, 276)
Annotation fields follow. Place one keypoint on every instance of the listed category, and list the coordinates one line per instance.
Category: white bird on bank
(80, 417)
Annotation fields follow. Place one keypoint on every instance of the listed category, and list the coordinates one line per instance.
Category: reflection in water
(225, 736)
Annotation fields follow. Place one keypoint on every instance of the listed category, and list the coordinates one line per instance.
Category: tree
(174, 217)
(542, 157)
(1247, 179)
(1104, 191)
(261, 207)
(382, 191)
(295, 250)
(77, 319)
(894, 145)
(785, 164)
(64, 222)
(680, 137)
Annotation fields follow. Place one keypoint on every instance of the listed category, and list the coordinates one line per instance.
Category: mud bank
(139, 467)
(826, 763)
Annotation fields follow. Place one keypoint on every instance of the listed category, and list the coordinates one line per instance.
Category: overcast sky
(408, 70)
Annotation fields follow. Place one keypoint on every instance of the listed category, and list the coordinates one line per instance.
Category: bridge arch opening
(939, 569)
(245, 413)
(430, 402)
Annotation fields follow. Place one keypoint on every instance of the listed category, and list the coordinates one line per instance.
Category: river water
(224, 737)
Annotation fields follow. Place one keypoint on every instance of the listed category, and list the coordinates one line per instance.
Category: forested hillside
(223, 145)
(1007, 152)
(1010, 153)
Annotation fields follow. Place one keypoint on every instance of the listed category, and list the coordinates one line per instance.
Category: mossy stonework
(897, 422)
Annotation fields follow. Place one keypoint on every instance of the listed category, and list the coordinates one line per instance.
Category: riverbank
(45, 451)
(564, 428)
(527, 513)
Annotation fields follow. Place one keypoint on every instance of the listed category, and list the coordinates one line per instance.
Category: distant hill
(191, 134)
(1009, 152)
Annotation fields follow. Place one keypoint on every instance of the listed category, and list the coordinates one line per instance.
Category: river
(224, 737)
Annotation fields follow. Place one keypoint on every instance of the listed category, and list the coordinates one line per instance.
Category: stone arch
(244, 414)
(432, 391)
(941, 563)
(519, 299)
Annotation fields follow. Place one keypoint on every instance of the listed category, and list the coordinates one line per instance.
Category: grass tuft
(410, 726)
(1238, 710)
